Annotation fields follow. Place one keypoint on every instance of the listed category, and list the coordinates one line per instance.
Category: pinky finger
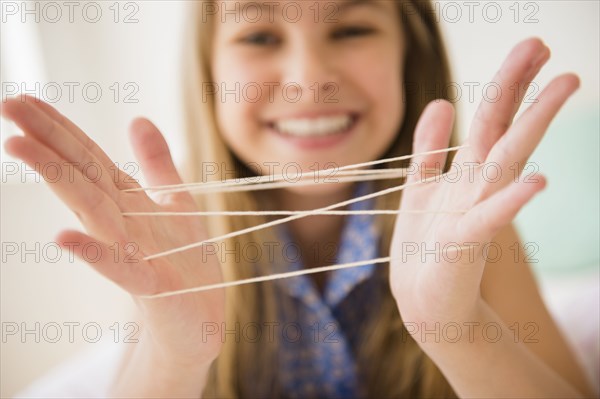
(488, 217)
(117, 261)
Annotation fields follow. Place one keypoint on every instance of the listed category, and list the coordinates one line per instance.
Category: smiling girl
(337, 74)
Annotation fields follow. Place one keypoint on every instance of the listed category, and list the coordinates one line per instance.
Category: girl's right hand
(92, 186)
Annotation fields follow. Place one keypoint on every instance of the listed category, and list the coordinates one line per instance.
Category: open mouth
(318, 127)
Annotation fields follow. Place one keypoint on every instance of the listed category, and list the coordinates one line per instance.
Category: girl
(338, 86)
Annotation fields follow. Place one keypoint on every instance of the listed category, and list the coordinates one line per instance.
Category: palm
(182, 270)
(429, 244)
(446, 288)
(156, 234)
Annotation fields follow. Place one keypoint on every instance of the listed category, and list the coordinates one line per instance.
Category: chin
(334, 190)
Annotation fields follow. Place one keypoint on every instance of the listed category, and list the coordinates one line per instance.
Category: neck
(319, 227)
(317, 236)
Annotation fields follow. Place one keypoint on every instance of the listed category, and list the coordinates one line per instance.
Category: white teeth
(313, 127)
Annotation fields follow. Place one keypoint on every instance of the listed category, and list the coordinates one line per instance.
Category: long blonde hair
(388, 356)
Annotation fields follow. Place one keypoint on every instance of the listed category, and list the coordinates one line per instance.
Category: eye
(260, 39)
(352, 31)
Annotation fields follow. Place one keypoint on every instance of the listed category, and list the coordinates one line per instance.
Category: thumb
(152, 152)
(432, 132)
(154, 156)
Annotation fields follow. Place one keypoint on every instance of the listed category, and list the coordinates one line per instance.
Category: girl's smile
(315, 130)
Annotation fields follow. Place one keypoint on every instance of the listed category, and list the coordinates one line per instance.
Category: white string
(264, 179)
(277, 177)
(231, 186)
(259, 180)
(281, 184)
(267, 278)
(294, 215)
(286, 213)
(277, 276)
(300, 215)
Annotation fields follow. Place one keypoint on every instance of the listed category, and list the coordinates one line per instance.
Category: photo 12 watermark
(489, 12)
(269, 92)
(53, 332)
(470, 92)
(470, 332)
(271, 331)
(53, 12)
(84, 92)
(69, 172)
(21, 252)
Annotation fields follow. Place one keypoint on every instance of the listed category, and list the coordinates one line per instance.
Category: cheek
(235, 98)
(381, 82)
(238, 130)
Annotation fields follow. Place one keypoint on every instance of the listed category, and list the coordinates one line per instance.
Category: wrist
(438, 334)
(481, 332)
(490, 347)
(150, 371)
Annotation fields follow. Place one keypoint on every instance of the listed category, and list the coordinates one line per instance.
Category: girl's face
(307, 84)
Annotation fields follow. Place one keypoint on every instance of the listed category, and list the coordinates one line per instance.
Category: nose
(311, 69)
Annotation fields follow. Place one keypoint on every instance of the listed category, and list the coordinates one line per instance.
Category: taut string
(293, 215)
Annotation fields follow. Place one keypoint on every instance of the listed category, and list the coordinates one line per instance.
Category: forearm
(481, 365)
(145, 372)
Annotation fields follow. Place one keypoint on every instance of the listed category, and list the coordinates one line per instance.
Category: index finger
(122, 180)
(493, 118)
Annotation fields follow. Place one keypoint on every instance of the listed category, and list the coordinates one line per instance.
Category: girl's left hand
(444, 288)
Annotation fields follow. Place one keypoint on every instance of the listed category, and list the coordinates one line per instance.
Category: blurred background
(104, 63)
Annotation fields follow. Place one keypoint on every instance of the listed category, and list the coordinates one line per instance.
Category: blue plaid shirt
(317, 358)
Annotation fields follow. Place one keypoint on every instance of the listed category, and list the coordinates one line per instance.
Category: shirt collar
(358, 242)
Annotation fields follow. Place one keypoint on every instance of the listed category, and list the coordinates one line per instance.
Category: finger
(525, 135)
(488, 217)
(155, 159)
(493, 118)
(38, 125)
(121, 179)
(118, 261)
(431, 133)
(95, 209)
